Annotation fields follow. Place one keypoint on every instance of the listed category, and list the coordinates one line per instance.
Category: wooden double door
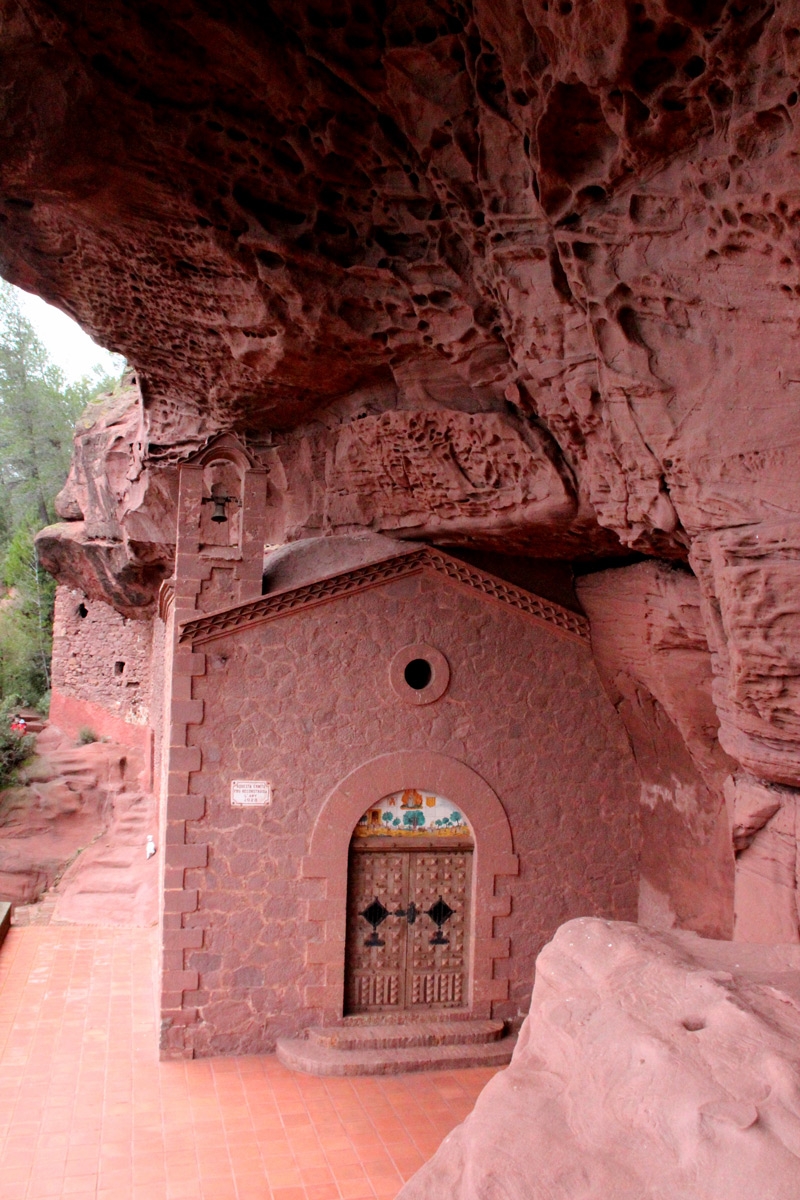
(408, 917)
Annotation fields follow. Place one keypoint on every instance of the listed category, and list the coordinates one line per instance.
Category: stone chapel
(386, 774)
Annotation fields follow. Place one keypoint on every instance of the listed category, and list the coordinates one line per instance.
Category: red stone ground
(88, 1111)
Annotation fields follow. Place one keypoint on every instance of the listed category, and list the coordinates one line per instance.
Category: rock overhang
(575, 213)
(508, 280)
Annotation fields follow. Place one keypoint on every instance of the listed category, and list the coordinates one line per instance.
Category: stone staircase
(74, 831)
(112, 881)
(389, 1048)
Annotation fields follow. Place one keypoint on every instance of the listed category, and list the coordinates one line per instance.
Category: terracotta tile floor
(87, 1110)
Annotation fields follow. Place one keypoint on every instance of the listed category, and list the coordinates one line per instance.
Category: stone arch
(224, 464)
(225, 447)
(326, 863)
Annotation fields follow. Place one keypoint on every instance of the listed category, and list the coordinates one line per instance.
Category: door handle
(409, 913)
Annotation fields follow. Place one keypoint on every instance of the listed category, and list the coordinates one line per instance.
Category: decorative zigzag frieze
(488, 585)
(271, 607)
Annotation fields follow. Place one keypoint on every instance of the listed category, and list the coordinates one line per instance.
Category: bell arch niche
(409, 906)
(222, 512)
(221, 506)
(325, 868)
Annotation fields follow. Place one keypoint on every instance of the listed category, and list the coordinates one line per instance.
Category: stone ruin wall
(159, 699)
(102, 667)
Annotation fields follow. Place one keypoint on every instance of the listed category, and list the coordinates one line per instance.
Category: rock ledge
(659, 1066)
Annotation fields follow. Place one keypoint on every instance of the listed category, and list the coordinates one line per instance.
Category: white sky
(67, 345)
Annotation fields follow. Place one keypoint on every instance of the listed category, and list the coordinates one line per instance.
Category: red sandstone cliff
(521, 277)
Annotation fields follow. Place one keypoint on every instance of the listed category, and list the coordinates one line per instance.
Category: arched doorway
(324, 872)
(409, 916)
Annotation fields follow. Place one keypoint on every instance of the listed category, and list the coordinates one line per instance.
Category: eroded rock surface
(583, 211)
(444, 474)
(115, 540)
(650, 1065)
(750, 578)
(766, 834)
(652, 654)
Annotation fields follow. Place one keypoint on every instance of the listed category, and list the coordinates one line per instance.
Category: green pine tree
(38, 412)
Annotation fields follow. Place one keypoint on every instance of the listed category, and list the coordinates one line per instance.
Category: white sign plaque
(250, 793)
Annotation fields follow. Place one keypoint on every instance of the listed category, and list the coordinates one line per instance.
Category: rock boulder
(651, 1067)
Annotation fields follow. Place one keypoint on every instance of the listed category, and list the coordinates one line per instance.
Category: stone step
(396, 1036)
(137, 820)
(67, 762)
(135, 809)
(302, 1054)
(118, 863)
(134, 800)
(78, 781)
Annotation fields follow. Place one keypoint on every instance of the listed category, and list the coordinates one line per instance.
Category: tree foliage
(26, 619)
(14, 747)
(38, 411)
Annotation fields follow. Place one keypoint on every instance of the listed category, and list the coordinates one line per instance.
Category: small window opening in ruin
(82, 610)
(119, 667)
(418, 674)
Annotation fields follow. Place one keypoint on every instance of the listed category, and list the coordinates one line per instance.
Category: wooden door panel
(396, 965)
(375, 972)
(437, 957)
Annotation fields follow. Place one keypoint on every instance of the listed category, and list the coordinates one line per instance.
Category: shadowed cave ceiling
(515, 276)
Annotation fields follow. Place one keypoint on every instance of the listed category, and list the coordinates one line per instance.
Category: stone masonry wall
(303, 701)
(159, 698)
(101, 657)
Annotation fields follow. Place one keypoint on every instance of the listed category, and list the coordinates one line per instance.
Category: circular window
(419, 674)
